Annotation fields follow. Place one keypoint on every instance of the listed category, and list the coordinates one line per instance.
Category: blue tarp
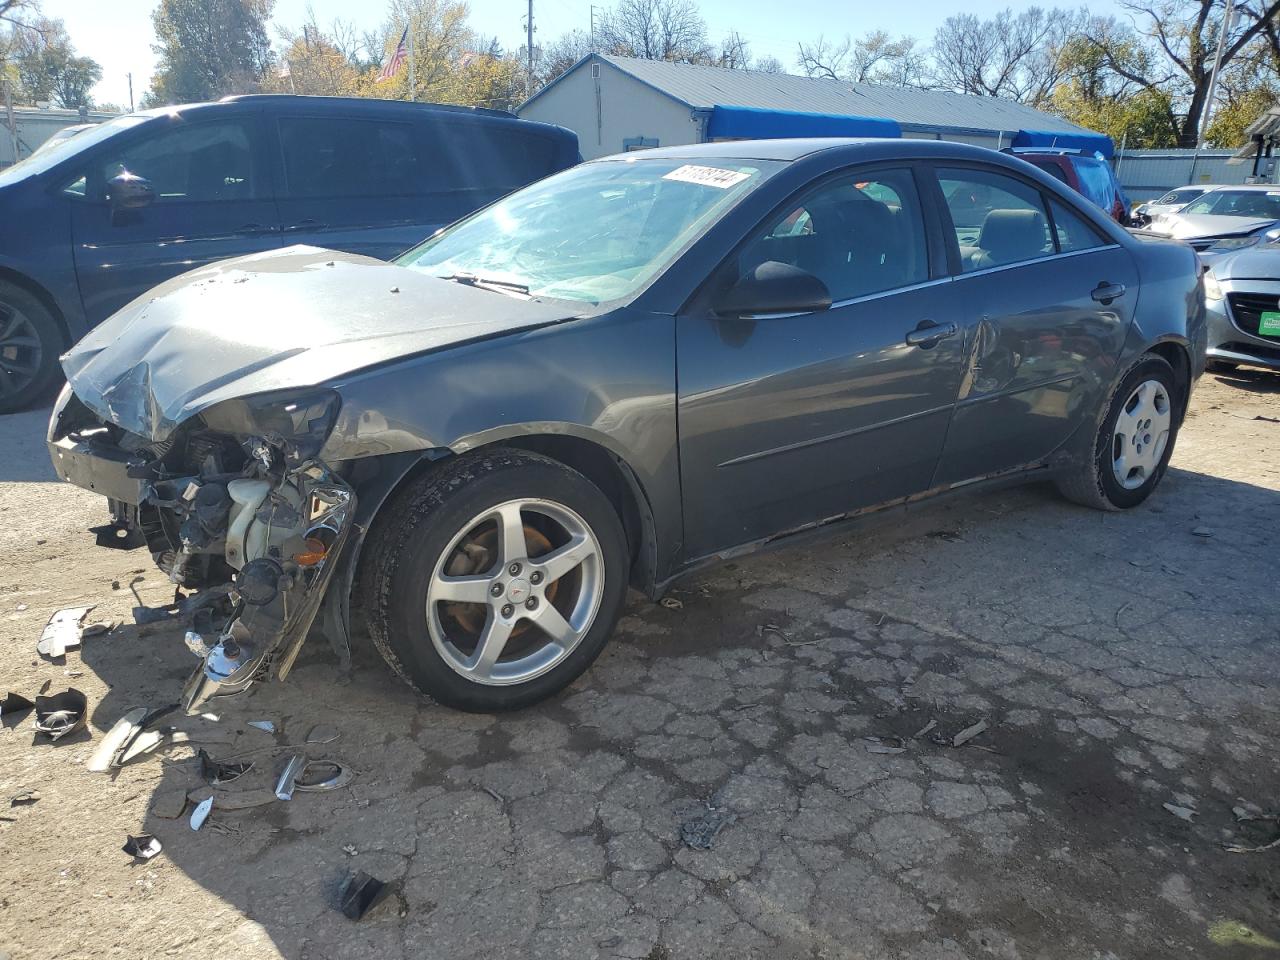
(1088, 142)
(753, 123)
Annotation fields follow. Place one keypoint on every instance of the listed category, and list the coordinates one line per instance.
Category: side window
(998, 220)
(1074, 232)
(205, 161)
(857, 235)
(343, 157)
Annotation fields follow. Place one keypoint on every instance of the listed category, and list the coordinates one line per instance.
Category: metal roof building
(621, 103)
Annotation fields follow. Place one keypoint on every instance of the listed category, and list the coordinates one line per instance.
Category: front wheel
(1134, 443)
(495, 580)
(30, 342)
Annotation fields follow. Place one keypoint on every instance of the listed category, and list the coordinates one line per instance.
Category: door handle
(927, 333)
(1105, 292)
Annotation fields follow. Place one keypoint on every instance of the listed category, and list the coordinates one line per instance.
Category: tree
(318, 63)
(1013, 56)
(44, 64)
(1181, 37)
(209, 48)
(656, 30)
(873, 58)
(561, 54)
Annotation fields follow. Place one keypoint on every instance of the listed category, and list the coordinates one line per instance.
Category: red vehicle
(1087, 174)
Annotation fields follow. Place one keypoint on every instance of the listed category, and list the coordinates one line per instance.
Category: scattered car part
(97, 629)
(318, 776)
(362, 893)
(142, 848)
(289, 775)
(123, 730)
(1182, 813)
(169, 804)
(23, 797)
(925, 729)
(216, 773)
(62, 632)
(201, 813)
(1237, 848)
(196, 644)
(61, 714)
(701, 831)
(323, 734)
(267, 725)
(13, 708)
(229, 801)
(968, 733)
(884, 748)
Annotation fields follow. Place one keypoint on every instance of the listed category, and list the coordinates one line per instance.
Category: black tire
(1093, 482)
(28, 372)
(414, 529)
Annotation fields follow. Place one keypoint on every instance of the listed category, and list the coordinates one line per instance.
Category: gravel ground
(1122, 663)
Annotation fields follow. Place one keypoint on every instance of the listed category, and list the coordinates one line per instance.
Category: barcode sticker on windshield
(707, 176)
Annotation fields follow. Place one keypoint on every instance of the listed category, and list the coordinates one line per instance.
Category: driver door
(789, 420)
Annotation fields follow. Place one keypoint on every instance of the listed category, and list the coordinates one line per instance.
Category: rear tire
(1132, 447)
(493, 581)
(30, 342)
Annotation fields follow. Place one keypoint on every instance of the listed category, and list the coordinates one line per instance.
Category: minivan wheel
(495, 580)
(30, 342)
(1134, 443)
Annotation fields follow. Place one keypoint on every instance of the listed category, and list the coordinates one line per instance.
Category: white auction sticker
(707, 176)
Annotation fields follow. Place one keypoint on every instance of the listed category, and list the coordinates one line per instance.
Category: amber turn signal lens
(315, 552)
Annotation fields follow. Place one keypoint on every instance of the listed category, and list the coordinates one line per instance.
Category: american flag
(397, 58)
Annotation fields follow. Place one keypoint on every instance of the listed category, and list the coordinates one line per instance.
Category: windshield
(1238, 203)
(595, 233)
(47, 159)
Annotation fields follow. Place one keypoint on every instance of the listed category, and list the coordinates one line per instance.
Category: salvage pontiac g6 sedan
(616, 376)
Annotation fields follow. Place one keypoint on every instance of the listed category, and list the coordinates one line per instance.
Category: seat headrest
(1009, 235)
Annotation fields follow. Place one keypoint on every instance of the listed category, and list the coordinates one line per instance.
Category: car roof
(850, 149)
(1246, 187)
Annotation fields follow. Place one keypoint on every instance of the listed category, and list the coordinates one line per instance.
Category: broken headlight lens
(297, 421)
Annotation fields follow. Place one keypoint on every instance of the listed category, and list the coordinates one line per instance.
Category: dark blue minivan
(89, 224)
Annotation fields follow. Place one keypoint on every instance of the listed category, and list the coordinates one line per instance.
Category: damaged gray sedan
(614, 377)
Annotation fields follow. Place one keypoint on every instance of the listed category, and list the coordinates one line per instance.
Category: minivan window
(859, 235)
(997, 219)
(347, 157)
(595, 233)
(201, 162)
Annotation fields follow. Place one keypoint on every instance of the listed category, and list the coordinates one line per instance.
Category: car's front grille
(1247, 309)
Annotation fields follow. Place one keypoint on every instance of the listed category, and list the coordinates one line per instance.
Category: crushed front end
(234, 503)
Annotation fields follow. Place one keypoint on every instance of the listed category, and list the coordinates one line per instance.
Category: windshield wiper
(502, 286)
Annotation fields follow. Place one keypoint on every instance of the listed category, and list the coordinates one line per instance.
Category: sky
(118, 33)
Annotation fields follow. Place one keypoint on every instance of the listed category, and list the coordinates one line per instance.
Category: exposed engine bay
(235, 504)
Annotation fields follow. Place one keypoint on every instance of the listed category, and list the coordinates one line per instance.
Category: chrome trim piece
(1024, 263)
(879, 295)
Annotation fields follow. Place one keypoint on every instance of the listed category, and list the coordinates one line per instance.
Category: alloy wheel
(21, 352)
(515, 592)
(1141, 434)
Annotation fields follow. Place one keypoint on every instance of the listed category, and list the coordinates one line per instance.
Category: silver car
(1242, 300)
(1171, 202)
(1225, 212)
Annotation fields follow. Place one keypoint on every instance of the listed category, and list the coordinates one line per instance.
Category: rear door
(1047, 300)
(353, 183)
(213, 199)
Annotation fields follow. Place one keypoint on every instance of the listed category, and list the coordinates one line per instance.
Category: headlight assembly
(1212, 289)
(297, 421)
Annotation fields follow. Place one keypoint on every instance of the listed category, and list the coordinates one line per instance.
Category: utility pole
(594, 48)
(1213, 76)
(528, 92)
(130, 76)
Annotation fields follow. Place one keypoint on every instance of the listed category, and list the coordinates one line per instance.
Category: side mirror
(774, 287)
(126, 191)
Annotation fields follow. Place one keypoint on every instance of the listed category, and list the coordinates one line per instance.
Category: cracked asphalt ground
(1121, 661)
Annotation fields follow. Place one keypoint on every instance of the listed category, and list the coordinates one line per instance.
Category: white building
(616, 104)
(32, 126)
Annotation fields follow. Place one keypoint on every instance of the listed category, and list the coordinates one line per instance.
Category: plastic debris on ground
(266, 725)
(229, 801)
(13, 708)
(318, 776)
(968, 733)
(216, 773)
(61, 714)
(323, 734)
(671, 603)
(362, 893)
(62, 632)
(201, 813)
(287, 781)
(24, 797)
(1182, 813)
(701, 831)
(142, 848)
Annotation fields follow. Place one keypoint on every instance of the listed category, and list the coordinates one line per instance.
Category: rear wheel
(1134, 443)
(30, 342)
(495, 580)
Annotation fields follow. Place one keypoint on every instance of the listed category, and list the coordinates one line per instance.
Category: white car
(1225, 212)
(1171, 202)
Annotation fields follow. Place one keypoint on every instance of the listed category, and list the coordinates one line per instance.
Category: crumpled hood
(290, 318)
(1189, 226)
(1260, 262)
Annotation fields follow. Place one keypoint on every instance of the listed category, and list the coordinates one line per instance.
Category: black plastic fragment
(362, 893)
(142, 848)
(13, 708)
(215, 773)
(61, 714)
(700, 832)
